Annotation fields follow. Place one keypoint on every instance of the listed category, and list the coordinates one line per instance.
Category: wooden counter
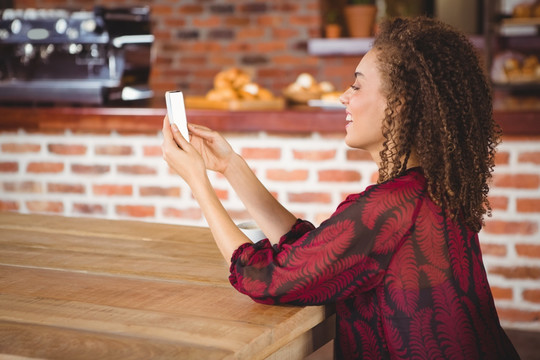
(74, 288)
(516, 117)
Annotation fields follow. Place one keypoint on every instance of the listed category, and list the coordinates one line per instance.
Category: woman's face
(365, 108)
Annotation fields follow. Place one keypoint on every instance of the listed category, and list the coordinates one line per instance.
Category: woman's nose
(344, 98)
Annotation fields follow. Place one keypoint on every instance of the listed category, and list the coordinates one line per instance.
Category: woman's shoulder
(410, 180)
(409, 186)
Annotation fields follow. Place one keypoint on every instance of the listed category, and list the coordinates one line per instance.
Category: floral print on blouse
(407, 282)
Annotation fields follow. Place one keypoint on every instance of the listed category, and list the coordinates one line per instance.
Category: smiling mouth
(348, 118)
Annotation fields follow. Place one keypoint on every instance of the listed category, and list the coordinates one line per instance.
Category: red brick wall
(195, 39)
(124, 177)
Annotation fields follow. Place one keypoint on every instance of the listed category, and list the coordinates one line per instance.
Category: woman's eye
(354, 87)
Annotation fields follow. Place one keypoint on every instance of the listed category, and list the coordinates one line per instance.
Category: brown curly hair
(439, 108)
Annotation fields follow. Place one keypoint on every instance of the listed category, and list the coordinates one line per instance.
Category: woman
(401, 260)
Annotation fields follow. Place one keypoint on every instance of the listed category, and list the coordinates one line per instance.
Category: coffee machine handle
(132, 39)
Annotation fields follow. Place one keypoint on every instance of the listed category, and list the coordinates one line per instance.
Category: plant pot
(360, 19)
(332, 31)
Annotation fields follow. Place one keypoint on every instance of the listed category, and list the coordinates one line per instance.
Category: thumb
(178, 137)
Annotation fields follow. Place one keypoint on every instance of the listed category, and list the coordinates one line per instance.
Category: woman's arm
(273, 219)
(184, 159)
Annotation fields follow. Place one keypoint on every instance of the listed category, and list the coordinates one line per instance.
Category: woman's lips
(348, 119)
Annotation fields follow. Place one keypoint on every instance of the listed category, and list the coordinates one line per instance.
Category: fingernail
(174, 127)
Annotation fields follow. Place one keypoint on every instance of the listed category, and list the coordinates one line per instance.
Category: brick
(254, 59)
(222, 8)
(518, 315)
(45, 206)
(63, 149)
(530, 157)
(528, 205)
(502, 158)
(23, 187)
(161, 9)
(516, 272)
(283, 33)
(114, 150)
(221, 34)
(339, 176)
(9, 206)
(21, 148)
(160, 191)
(237, 21)
(285, 7)
(254, 7)
(191, 213)
(498, 202)
(532, 295)
(136, 170)
(138, 211)
(310, 197)
(118, 190)
(511, 227)
(45, 167)
(287, 175)
(500, 293)
(222, 194)
(89, 209)
(257, 33)
(528, 250)
(271, 21)
(305, 20)
(261, 153)
(90, 169)
(315, 155)
(359, 155)
(210, 21)
(194, 60)
(518, 181)
(9, 167)
(191, 9)
(207, 46)
(66, 188)
(239, 215)
(494, 249)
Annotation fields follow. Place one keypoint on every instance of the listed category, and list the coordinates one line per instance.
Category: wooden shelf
(339, 46)
(517, 116)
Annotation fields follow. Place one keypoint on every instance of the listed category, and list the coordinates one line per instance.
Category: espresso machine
(58, 56)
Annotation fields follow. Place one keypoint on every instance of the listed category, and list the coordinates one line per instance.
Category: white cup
(251, 230)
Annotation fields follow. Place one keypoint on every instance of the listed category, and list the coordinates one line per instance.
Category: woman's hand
(181, 156)
(214, 149)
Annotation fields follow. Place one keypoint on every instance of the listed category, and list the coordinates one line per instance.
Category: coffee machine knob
(61, 26)
(72, 33)
(88, 25)
(16, 26)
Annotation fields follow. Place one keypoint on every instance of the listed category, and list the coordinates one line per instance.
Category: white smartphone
(176, 111)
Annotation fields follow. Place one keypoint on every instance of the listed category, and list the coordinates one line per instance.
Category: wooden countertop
(75, 288)
(519, 116)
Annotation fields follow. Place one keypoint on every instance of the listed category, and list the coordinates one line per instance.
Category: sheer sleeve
(347, 253)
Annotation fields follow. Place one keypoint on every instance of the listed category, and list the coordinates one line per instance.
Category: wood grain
(86, 288)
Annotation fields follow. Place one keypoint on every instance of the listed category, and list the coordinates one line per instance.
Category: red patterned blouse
(407, 282)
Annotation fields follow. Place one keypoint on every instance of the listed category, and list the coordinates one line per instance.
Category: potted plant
(360, 17)
(332, 26)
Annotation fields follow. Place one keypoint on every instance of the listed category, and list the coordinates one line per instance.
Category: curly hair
(439, 108)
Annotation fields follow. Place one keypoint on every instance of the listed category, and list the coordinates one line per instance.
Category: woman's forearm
(273, 219)
(227, 235)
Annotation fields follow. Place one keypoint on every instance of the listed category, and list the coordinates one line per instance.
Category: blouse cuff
(298, 230)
